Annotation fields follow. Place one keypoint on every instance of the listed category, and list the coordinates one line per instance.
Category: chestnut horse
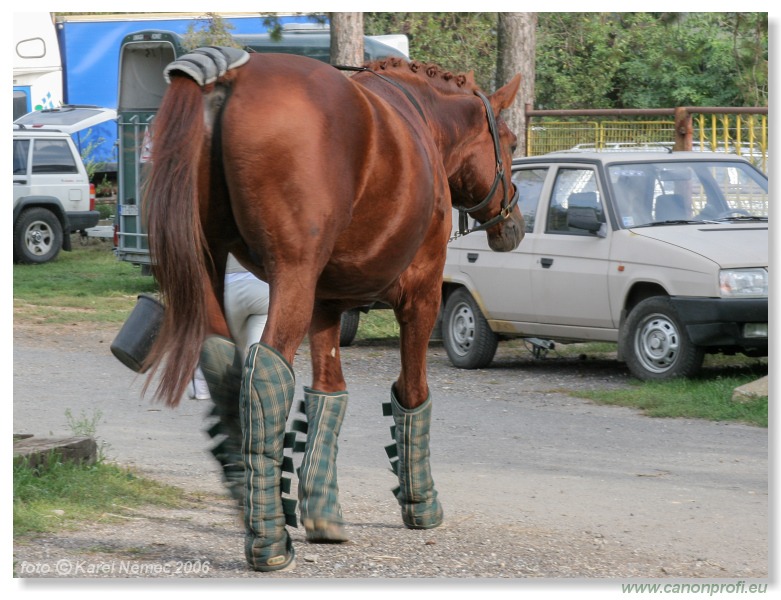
(337, 191)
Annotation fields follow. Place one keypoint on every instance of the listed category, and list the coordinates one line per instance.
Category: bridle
(507, 207)
(493, 128)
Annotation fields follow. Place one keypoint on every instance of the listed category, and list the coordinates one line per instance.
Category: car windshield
(663, 193)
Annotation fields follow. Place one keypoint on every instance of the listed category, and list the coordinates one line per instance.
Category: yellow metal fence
(742, 134)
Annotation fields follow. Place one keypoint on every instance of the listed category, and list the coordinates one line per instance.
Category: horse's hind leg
(222, 367)
(324, 405)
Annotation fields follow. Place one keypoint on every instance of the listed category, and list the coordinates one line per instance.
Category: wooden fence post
(684, 131)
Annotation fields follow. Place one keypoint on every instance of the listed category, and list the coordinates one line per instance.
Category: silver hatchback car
(665, 254)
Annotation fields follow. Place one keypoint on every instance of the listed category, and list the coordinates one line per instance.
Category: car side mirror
(583, 217)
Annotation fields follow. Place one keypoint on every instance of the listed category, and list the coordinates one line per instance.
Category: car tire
(468, 340)
(349, 326)
(656, 343)
(37, 236)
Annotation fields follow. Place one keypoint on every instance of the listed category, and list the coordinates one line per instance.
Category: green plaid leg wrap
(318, 492)
(222, 367)
(267, 392)
(417, 497)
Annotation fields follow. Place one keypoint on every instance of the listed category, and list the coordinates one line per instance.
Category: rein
(463, 213)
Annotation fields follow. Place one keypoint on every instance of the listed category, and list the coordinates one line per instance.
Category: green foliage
(651, 60)
(92, 166)
(460, 42)
(213, 31)
(607, 60)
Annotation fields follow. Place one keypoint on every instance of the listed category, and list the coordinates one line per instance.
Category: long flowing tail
(176, 240)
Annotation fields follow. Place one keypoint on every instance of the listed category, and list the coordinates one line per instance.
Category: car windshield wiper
(738, 218)
(677, 222)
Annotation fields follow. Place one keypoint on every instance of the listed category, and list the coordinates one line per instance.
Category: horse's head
(481, 183)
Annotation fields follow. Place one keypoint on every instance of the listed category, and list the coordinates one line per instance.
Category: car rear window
(53, 156)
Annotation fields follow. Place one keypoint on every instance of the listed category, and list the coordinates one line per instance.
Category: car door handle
(546, 262)
(472, 256)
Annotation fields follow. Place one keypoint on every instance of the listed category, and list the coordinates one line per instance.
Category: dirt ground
(538, 486)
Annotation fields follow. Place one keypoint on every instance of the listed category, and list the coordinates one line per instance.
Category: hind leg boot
(222, 368)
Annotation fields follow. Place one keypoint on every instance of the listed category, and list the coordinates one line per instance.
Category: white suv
(664, 254)
(52, 194)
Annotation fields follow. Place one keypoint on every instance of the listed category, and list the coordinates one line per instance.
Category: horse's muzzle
(508, 234)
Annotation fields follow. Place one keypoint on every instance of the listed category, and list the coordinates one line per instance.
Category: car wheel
(657, 346)
(469, 342)
(349, 326)
(37, 236)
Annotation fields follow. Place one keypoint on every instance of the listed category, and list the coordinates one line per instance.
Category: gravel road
(536, 485)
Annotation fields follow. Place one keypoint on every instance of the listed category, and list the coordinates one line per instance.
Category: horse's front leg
(411, 407)
(325, 403)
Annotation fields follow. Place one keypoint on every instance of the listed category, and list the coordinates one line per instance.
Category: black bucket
(135, 339)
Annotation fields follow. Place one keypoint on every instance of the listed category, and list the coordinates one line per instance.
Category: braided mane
(439, 77)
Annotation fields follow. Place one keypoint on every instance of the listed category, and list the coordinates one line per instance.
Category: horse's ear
(504, 96)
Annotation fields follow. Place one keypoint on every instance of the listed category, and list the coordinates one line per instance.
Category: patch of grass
(87, 284)
(377, 325)
(59, 495)
(705, 397)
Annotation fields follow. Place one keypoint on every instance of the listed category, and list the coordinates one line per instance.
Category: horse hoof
(288, 564)
(259, 559)
(432, 516)
(321, 531)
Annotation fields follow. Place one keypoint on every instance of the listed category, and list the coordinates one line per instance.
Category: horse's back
(308, 150)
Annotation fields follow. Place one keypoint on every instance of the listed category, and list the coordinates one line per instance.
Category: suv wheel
(656, 342)
(469, 342)
(37, 236)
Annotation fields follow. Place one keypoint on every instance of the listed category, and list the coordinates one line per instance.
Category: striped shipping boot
(409, 457)
(318, 492)
(222, 368)
(267, 392)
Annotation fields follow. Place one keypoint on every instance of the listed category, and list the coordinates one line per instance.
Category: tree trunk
(346, 38)
(516, 54)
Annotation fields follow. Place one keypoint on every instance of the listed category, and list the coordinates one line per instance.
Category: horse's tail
(177, 244)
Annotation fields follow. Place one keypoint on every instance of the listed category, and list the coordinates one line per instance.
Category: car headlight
(740, 283)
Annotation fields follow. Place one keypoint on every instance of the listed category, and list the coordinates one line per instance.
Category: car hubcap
(39, 238)
(463, 329)
(658, 343)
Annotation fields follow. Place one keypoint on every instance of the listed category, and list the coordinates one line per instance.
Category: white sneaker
(198, 388)
(201, 390)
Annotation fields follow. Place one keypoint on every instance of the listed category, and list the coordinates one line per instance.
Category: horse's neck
(450, 133)
(446, 116)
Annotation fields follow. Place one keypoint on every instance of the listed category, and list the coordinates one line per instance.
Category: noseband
(493, 128)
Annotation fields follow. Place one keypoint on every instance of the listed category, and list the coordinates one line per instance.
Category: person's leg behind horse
(246, 308)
